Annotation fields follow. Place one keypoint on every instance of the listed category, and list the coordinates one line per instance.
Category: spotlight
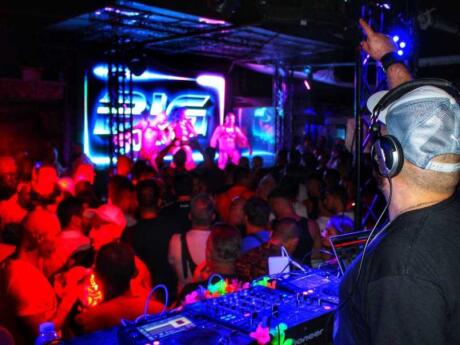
(307, 84)
(402, 45)
(400, 52)
(395, 38)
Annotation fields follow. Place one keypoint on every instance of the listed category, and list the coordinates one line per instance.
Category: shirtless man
(228, 137)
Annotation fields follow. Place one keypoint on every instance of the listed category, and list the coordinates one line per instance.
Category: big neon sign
(202, 98)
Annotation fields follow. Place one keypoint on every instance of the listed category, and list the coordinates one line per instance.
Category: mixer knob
(319, 301)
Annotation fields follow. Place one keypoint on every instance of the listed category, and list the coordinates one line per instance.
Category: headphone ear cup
(388, 156)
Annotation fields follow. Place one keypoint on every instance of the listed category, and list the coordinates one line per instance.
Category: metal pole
(111, 105)
(131, 106)
(358, 138)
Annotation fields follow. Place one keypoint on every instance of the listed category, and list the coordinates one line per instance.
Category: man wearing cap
(108, 223)
(407, 290)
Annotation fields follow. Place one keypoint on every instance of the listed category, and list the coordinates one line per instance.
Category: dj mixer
(303, 302)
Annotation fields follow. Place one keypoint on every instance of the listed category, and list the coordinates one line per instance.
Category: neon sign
(154, 93)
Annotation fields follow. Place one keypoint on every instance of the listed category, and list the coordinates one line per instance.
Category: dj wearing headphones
(405, 289)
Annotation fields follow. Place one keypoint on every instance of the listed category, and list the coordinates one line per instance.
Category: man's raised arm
(377, 45)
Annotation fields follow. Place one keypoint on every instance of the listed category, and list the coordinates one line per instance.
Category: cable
(215, 275)
(147, 301)
(285, 253)
(369, 240)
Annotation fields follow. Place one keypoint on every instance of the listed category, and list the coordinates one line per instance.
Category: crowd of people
(77, 256)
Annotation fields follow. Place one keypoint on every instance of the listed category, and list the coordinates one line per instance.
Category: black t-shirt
(303, 251)
(177, 215)
(150, 241)
(409, 287)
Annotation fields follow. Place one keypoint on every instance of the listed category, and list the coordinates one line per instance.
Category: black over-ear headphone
(386, 151)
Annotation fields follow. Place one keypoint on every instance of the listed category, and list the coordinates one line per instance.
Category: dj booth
(289, 308)
(299, 305)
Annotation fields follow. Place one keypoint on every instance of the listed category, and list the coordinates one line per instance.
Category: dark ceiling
(297, 32)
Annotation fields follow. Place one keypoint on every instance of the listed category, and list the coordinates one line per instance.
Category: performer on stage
(154, 134)
(228, 137)
(184, 132)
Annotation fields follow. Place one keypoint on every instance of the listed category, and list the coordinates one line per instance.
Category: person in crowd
(121, 193)
(265, 187)
(256, 215)
(334, 203)
(314, 185)
(71, 240)
(222, 250)
(254, 263)
(29, 297)
(177, 166)
(187, 250)
(309, 236)
(43, 191)
(84, 172)
(404, 290)
(11, 212)
(244, 162)
(177, 213)
(209, 159)
(257, 163)
(114, 271)
(331, 178)
(151, 235)
(211, 175)
(124, 166)
(66, 187)
(107, 225)
(241, 187)
(291, 185)
(77, 158)
(236, 216)
(51, 158)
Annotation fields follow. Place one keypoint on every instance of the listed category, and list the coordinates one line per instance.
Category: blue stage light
(402, 39)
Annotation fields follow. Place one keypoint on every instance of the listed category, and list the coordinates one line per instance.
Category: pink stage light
(211, 21)
(307, 84)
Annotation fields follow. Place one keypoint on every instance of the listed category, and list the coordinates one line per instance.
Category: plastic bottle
(47, 335)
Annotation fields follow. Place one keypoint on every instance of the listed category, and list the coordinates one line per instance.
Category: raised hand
(376, 43)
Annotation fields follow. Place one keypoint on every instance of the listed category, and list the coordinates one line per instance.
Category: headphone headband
(409, 86)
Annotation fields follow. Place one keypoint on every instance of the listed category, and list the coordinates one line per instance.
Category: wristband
(389, 59)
